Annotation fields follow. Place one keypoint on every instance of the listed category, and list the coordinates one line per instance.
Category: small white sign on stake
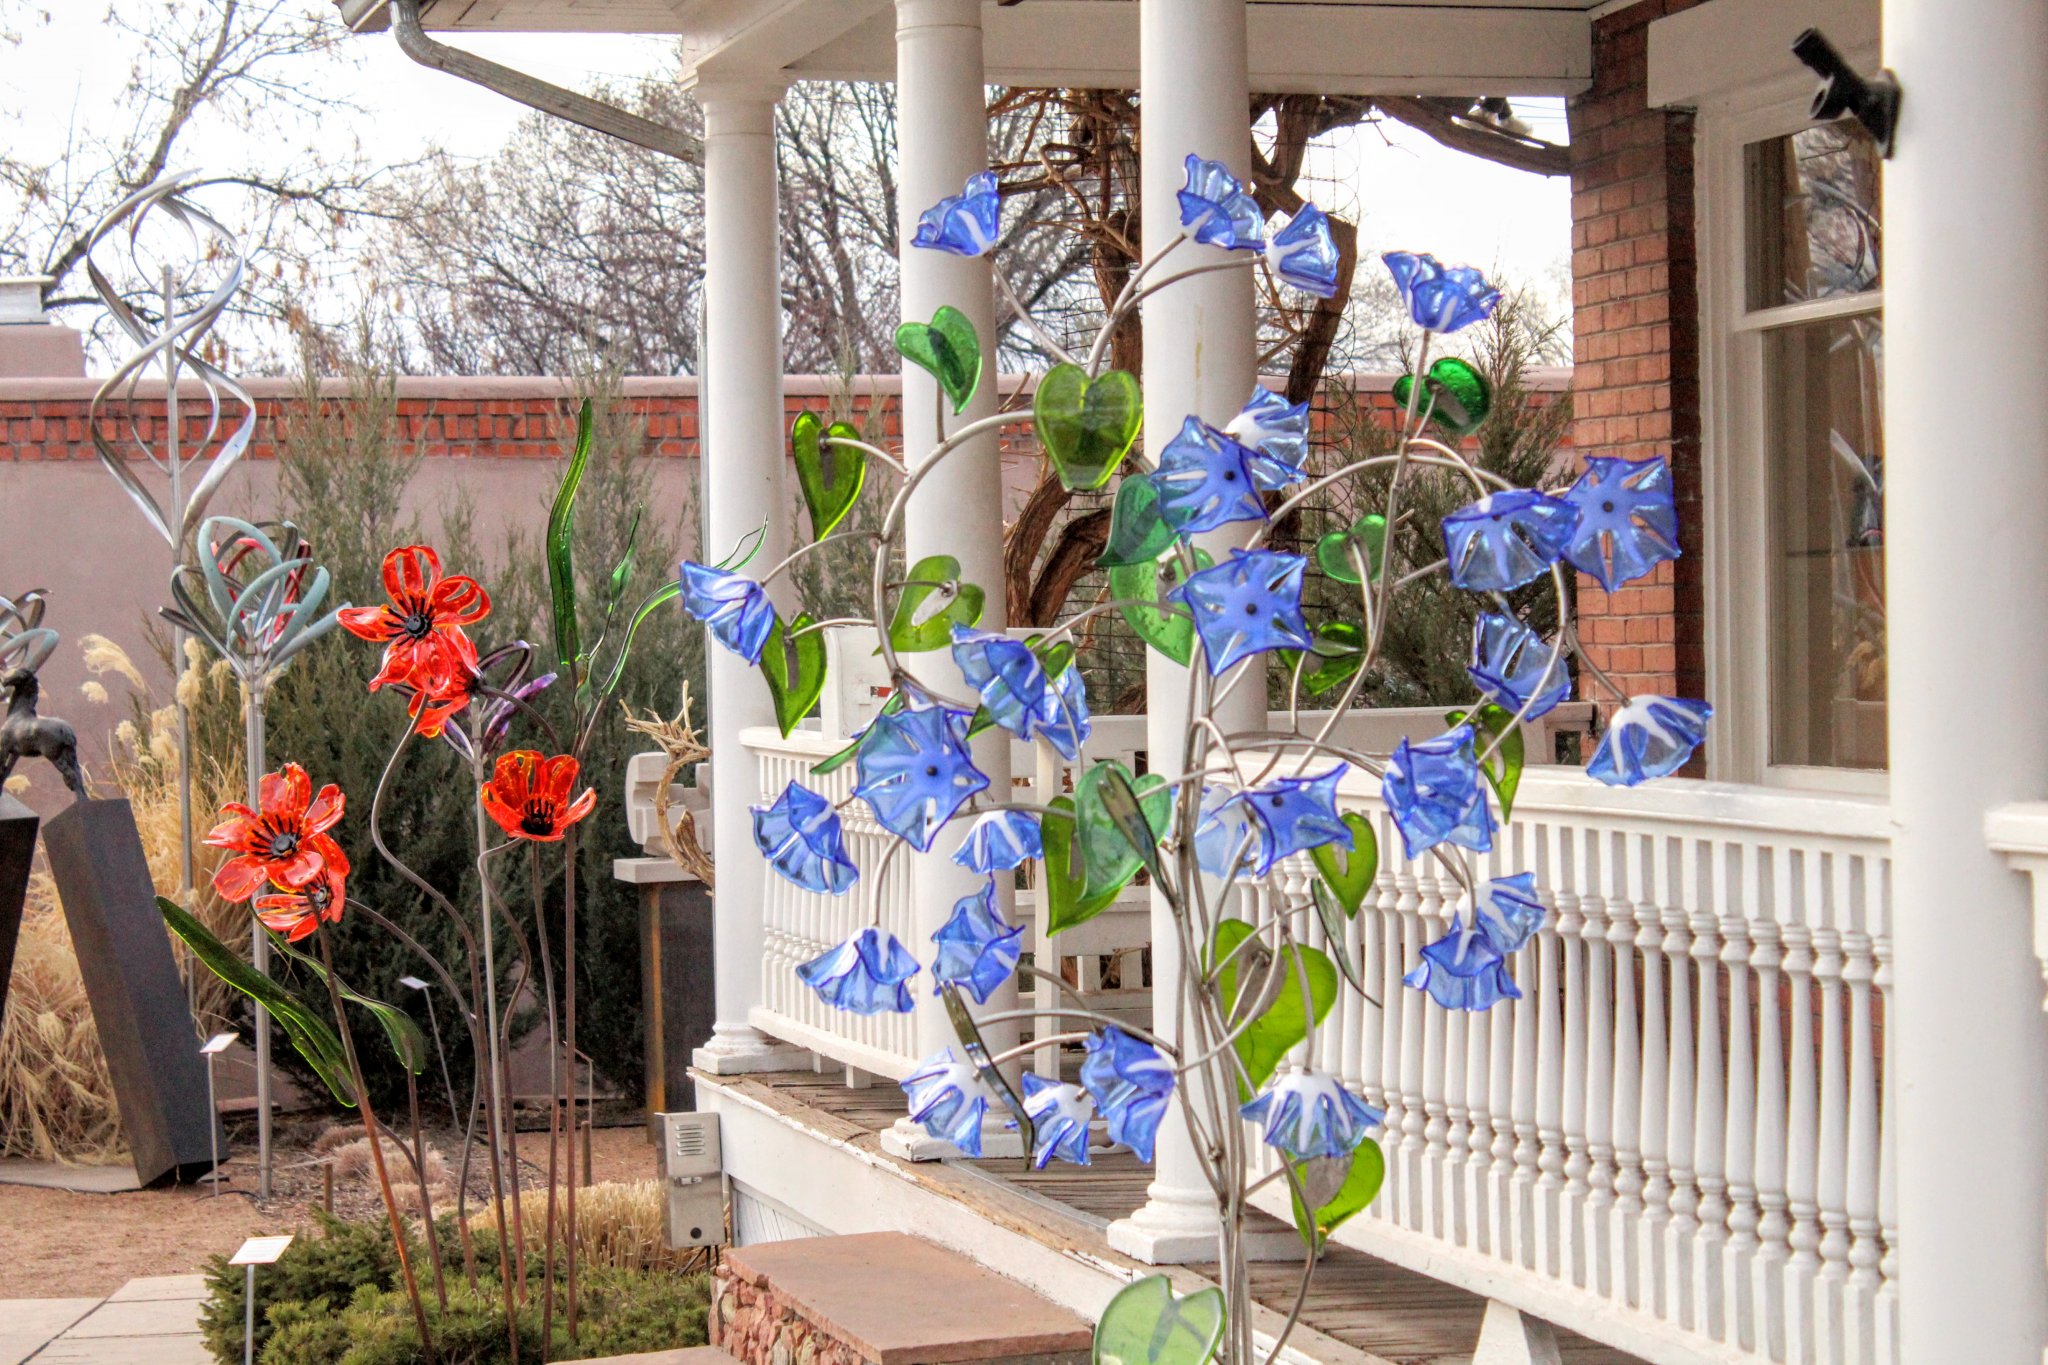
(218, 1043)
(261, 1250)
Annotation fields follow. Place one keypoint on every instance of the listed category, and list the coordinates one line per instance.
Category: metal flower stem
(259, 941)
(495, 1129)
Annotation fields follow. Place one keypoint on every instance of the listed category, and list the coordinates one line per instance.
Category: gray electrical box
(694, 1213)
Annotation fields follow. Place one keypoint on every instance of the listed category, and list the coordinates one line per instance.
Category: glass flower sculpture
(1463, 970)
(426, 611)
(1628, 519)
(1000, 840)
(1509, 913)
(1227, 839)
(868, 974)
(1293, 815)
(1246, 605)
(1205, 480)
(296, 912)
(1059, 1113)
(1306, 1114)
(1505, 539)
(733, 607)
(800, 836)
(915, 771)
(1276, 431)
(966, 224)
(285, 841)
(949, 1098)
(1649, 737)
(1017, 692)
(1436, 795)
(1440, 299)
(978, 948)
(1130, 1084)
(1217, 210)
(1513, 667)
(1304, 254)
(528, 795)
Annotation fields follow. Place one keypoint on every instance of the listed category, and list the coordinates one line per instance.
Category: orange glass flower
(285, 842)
(528, 796)
(425, 616)
(444, 686)
(296, 913)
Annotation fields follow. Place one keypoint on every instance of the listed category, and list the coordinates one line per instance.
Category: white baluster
(1403, 1156)
(1481, 1030)
(1710, 1120)
(1537, 1072)
(1599, 1029)
(1887, 1310)
(1625, 1216)
(1681, 1228)
(1567, 1119)
(1372, 935)
(1435, 1122)
(1767, 1268)
(1860, 1198)
(1656, 1080)
(1832, 1184)
(1802, 1139)
(1504, 1213)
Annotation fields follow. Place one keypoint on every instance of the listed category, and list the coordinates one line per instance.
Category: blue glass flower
(1217, 208)
(1130, 1084)
(1226, 837)
(799, 835)
(999, 841)
(1067, 725)
(1649, 737)
(950, 1099)
(1509, 914)
(965, 224)
(1309, 1114)
(915, 770)
(1436, 795)
(1440, 299)
(1246, 605)
(1463, 971)
(867, 974)
(1304, 254)
(1512, 666)
(1205, 480)
(1276, 431)
(734, 607)
(1018, 694)
(1059, 1114)
(978, 948)
(1294, 814)
(1507, 538)
(1628, 520)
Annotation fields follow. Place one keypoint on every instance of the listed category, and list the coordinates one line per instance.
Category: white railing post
(1767, 1269)
(1680, 1231)
(1744, 1214)
(1710, 1120)
(1802, 1147)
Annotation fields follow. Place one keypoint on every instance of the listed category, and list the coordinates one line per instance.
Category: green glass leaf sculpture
(1068, 900)
(561, 546)
(1339, 652)
(1146, 1325)
(405, 1037)
(912, 633)
(1265, 1042)
(948, 349)
(829, 476)
(1335, 551)
(1139, 587)
(1360, 1186)
(1086, 426)
(1331, 915)
(794, 668)
(1456, 395)
(1348, 872)
(1108, 838)
(1504, 769)
(1137, 533)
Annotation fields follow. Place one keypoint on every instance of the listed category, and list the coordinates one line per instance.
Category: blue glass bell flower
(1295, 814)
(1067, 724)
(1226, 837)
(914, 769)
(1304, 254)
(1513, 668)
(1310, 1114)
(1205, 480)
(1440, 299)
(978, 948)
(966, 224)
(1246, 605)
(1059, 1113)
(1436, 794)
(1130, 1084)
(800, 836)
(868, 974)
(1000, 840)
(1650, 737)
(1628, 519)
(1508, 913)
(1463, 970)
(1017, 692)
(950, 1099)
(732, 606)
(1276, 431)
(1506, 539)
(1217, 209)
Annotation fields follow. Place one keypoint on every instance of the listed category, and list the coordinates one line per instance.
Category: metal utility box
(694, 1214)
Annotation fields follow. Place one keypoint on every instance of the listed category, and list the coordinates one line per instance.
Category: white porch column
(1966, 294)
(1199, 358)
(743, 490)
(941, 139)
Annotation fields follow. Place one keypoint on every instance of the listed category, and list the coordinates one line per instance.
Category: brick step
(883, 1298)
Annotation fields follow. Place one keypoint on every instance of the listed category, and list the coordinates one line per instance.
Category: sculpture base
(17, 851)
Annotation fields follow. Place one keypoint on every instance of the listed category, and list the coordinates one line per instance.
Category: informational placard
(218, 1043)
(261, 1250)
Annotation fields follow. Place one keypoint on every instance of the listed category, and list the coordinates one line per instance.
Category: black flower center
(416, 625)
(284, 844)
(1230, 476)
(1607, 506)
(1251, 609)
(931, 770)
(538, 817)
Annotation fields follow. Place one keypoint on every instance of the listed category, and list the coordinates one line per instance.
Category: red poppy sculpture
(528, 795)
(296, 913)
(421, 623)
(285, 842)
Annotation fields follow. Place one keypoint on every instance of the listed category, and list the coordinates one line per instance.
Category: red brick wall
(1635, 385)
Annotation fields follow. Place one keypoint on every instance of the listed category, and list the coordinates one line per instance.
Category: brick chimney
(32, 346)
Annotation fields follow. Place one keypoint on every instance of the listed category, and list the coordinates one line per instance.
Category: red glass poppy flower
(528, 795)
(444, 686)
(426, 613)
(297, 913)
(285, 842)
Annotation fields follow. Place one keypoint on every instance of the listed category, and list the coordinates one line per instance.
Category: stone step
(688, 1355)
(883, 1298)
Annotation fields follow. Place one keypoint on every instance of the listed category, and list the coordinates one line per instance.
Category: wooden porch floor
(1385, 1314)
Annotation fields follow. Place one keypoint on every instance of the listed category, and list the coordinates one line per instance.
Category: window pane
(1813, 219)
(1826, 461)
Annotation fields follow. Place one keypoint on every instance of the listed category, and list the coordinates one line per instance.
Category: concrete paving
(150, 1321)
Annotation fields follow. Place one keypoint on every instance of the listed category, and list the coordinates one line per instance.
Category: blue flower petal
(978, 948)
(1247, 605)
(1059, 1115)
(1215, 204)
(999, 841)
(1304, 254)
(800, 836)
(950, 1099)
(1440, 299)
(733, 607)
(1014, 687)
(915, 771)
(1509, 913)
(1225, 831)
(867, 974)
(1506, 539)
(1463, 971)
(1295, 814)
(1205, 480)
(1436, 794)
(966, 224)
(1130, 1084)
(1628, 519)
(1276, 431)
(1512, 666)
(1650, 737)
(1310, 1114)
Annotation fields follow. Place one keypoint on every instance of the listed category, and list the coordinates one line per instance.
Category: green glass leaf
(1146, 1325)
(1340, 652)
(1456, 395)
(1108, 857)
(1068, 900)
(1055, 658)
(400, 1031)
(1086, 426)
(664, 593)
(1360, 1186)
(911, 634)
(1138, 586)
(1265, 1043)
(561, 539)
(794, 668)
(1329, 912)
(1137, 534)
(1334, 552)
(829, 476)
(1504, 770)
(948, 349)
(1348, 872)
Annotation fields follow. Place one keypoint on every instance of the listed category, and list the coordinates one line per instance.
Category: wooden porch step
(883, 1298)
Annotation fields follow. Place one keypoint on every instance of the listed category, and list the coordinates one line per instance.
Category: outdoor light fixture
(1874, 102)
(413, 983)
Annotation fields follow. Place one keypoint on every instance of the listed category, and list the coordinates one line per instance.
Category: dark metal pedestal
(677, 1001)
(17, 852)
